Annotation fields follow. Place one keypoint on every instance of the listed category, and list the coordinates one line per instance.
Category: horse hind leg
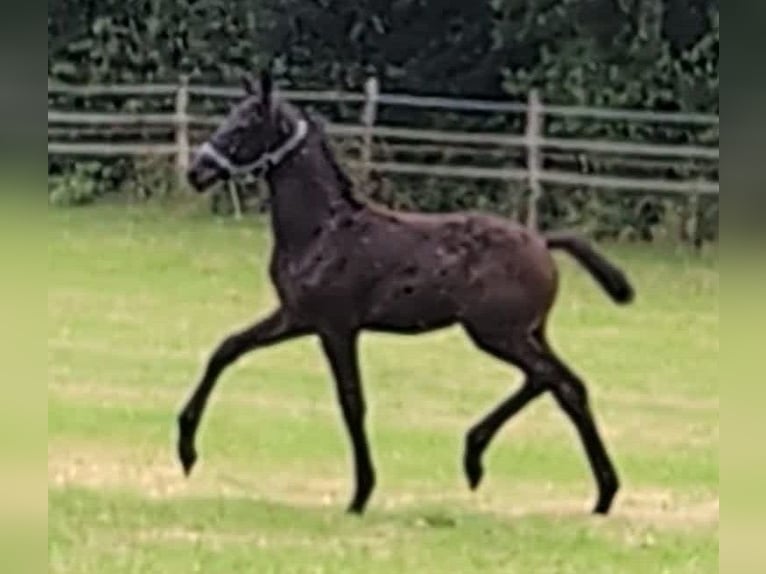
(483, 432)
(572, 396)
(544, 371)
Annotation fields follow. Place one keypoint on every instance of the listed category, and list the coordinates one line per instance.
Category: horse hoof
(356, 508)
(602, 507)
(188, 457)
(474, 472)
(606, 496)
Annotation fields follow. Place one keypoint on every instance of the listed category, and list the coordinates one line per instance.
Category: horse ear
(248, 83)
(267, 88)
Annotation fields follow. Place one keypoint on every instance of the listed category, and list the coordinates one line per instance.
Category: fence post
(533, 135)
(182, 131)
(692, 223)
(369, 115)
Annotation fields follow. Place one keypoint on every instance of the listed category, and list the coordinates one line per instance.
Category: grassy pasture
(137, 297)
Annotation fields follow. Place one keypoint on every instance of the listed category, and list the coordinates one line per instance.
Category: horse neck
(305, 195)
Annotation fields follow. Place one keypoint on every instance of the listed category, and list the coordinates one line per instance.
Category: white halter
(265, 161)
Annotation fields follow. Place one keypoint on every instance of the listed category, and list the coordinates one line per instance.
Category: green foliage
(618, 55)
(83, 182)
(152, 178)
(79, 185)
(146, 40)
(439, 46)
(643, 71)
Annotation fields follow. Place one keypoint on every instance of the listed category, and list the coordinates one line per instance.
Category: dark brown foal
(341, 266)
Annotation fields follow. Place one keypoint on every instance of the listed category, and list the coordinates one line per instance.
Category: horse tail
(611, 279)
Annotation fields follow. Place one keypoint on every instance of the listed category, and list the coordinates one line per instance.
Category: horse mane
(344, 181)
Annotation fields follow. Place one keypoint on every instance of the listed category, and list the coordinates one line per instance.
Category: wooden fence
(534, 142)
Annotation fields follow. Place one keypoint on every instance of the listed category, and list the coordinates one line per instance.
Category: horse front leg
(276, 328)
(341, 352)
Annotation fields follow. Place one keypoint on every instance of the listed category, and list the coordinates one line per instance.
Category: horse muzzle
(204, 173)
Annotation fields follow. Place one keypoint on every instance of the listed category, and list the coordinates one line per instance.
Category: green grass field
(137, 298)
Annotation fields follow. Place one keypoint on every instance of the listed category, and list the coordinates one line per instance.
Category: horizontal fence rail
(463, 172)
(628, 184)
(113, 90)
(109, 119)
(631, 115)
(625, 148)
(453, 104)
(111, 149)
(293, 95)
(67, 128)
(350, 130)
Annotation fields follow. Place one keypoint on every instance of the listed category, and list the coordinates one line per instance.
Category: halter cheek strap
(265, 161)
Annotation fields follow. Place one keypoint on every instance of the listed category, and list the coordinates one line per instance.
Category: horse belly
(407, 311)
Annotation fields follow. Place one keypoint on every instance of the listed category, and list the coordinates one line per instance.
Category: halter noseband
(265, 161)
